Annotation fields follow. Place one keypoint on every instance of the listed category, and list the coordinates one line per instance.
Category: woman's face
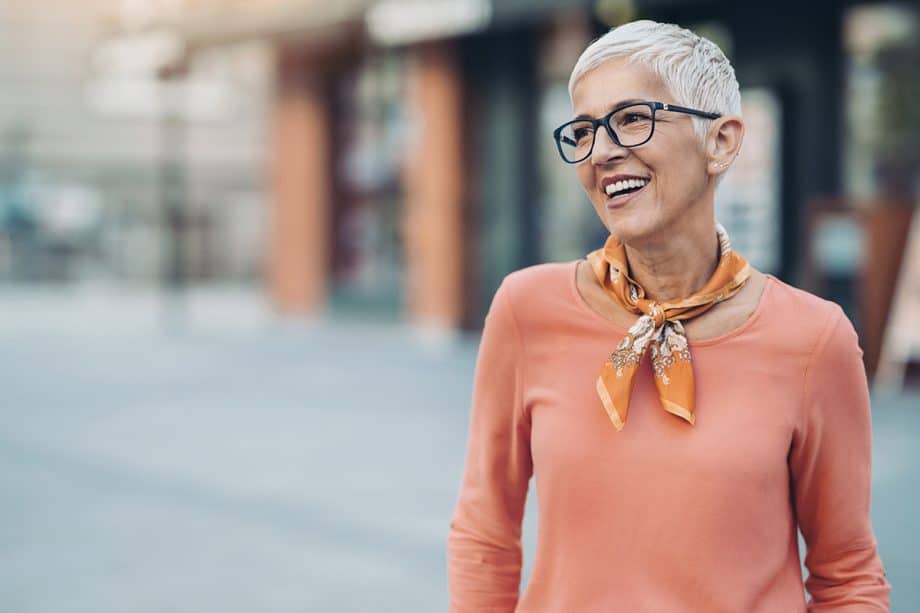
(680, 190)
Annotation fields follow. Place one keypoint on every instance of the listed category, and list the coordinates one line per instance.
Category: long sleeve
(484, 542)
(830, 467)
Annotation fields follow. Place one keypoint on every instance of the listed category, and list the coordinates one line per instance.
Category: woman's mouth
(618, 194)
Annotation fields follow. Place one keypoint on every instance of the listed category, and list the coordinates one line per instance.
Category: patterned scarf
(659, 327)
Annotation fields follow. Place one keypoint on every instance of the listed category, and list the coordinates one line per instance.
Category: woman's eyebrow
(612, 106)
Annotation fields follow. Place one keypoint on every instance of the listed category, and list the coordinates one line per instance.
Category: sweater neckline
(588, 310)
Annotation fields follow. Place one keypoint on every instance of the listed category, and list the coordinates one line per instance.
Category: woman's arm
(830, 465)
(484, 542)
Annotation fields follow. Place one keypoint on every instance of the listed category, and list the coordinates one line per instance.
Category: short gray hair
(693, 68)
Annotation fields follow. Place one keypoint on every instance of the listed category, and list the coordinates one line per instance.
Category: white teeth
(626, 184)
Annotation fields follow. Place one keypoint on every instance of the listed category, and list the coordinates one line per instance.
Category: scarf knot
(657, 314)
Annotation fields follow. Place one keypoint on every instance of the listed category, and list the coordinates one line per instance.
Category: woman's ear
(724, 142)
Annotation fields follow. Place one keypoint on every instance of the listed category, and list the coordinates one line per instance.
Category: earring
(722, 164)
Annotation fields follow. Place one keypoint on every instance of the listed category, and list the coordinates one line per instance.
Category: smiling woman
(674, 482)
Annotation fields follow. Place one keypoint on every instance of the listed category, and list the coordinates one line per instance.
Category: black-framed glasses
(629, 125)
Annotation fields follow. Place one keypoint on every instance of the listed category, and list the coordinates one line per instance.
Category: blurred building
(394, 158)
(107, 173)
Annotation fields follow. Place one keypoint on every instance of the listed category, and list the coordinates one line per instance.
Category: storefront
(367, 275)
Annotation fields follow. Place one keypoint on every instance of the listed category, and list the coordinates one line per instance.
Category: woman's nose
(605, 148)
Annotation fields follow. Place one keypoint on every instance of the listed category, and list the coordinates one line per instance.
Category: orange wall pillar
(435, 180)
(301, 200)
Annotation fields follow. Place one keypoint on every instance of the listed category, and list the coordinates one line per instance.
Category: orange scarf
(659, 327)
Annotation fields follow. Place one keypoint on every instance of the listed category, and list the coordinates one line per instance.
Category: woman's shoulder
(800, 306)
(535, 275)
(539, 293)
(806, 319)
(537, 281)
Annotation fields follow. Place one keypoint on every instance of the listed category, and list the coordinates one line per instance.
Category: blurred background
(246, 248)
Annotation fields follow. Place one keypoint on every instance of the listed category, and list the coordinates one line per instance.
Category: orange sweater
(665, 517)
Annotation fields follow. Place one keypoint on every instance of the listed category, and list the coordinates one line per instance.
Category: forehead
(605, 85)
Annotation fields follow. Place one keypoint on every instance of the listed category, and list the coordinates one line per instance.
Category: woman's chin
(629, 229)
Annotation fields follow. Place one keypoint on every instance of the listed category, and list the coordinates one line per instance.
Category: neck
(678, 265)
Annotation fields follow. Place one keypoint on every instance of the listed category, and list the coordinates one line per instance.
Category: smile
(621, 192)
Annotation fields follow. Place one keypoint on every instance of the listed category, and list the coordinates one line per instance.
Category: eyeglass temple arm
(683, 109)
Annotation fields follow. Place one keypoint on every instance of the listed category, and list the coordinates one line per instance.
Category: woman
(682, 412)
